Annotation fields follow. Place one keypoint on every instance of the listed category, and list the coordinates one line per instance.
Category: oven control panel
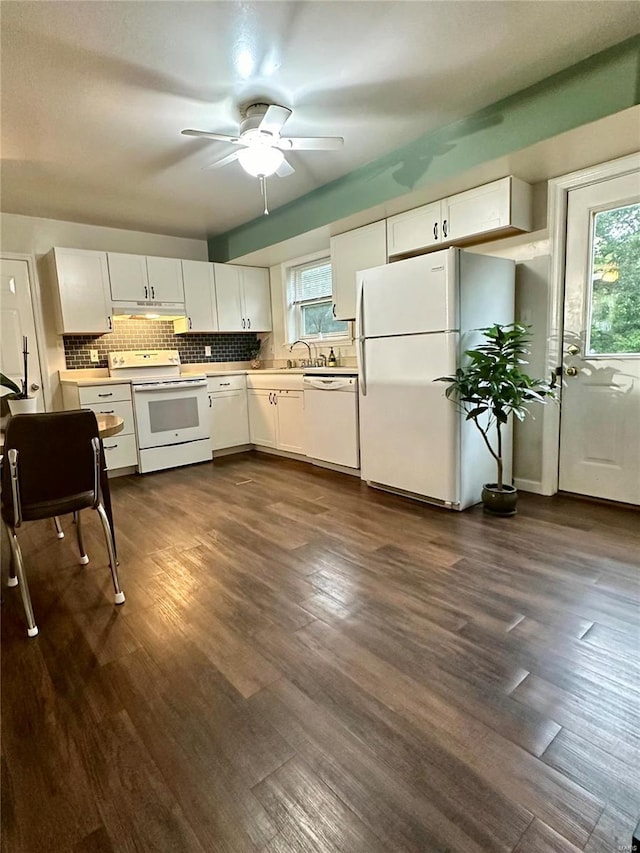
(145, 359)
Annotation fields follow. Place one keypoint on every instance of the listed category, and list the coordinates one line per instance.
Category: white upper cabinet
(83, 301)
(128, 277)
(414, 229)
(243, 298)
(352, 251)
(165, 279)
(228, 298)
(501, 207)
(137, 278)
(199, 299)
(256, 295)
(503, 204)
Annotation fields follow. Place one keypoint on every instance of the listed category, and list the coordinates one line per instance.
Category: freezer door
(409, 435)
(412, 296)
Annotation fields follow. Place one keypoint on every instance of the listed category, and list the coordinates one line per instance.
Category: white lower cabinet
(229, 412)
(121, 450)
(276, 419)
(262, 417)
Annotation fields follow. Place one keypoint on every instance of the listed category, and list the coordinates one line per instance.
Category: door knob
(571, 371)
(573, 349)
(35, 387)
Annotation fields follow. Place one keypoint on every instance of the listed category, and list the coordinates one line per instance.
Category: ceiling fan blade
(218, 164)
(310, 143)
(204, 133)
(284, 169)
(274, 119)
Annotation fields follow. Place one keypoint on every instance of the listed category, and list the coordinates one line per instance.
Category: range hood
(149, 310)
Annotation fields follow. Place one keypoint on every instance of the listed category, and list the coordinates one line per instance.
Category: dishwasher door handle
(319, 384)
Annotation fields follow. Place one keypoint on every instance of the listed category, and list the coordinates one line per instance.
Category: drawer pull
(107, 412)
(110, 446)
(224, 384)
(110, 394)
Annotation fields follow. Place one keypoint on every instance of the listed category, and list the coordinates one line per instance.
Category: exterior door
(600, 418)
(17, 321)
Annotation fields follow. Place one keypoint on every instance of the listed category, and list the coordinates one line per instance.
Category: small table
(108, 425)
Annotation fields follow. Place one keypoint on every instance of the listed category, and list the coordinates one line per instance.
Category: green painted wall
(601, 85)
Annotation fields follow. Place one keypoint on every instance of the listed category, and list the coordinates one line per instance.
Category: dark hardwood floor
(305, 664)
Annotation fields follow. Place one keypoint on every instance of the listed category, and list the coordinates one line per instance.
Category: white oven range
(171, 410)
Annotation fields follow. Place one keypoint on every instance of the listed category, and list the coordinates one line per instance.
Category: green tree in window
(615, 305)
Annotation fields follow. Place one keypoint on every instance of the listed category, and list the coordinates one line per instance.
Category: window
(310, 303)
(614, 326)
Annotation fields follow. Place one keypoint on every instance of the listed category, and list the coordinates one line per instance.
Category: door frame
(558, 195)
(38, 319)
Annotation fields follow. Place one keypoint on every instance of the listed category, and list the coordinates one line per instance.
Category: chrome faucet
(307, 346)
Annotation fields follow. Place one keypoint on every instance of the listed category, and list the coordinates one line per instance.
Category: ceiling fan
(262, 146)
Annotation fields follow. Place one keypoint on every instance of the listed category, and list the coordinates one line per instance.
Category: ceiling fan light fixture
(261, 161)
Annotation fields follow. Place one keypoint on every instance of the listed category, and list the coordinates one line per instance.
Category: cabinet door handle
(110, 446)
(153, 293)
(249, 323)
(275, 399)
(110, 394)
(444, 228)
(210, 401)
(435, 230)
(243, 323)
(334, 310)
(190, 323)
(146, 292)
(110, 322)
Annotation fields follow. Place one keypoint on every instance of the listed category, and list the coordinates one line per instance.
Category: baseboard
(122, 472)
(284, 453)
(534, 486)
(228, 451)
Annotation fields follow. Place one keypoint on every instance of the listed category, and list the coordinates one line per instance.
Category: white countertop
(67, 377)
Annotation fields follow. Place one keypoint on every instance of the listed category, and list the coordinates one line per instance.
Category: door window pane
(615, 282)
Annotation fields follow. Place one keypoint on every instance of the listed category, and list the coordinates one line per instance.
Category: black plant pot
(499, 502)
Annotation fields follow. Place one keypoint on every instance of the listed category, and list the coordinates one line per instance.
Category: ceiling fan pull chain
(263, 190)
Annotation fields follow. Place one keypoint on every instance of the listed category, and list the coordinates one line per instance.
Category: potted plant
(488, 388)
(19, 400)
(253, 354)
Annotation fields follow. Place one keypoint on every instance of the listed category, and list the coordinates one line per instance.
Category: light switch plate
(93, 355)
(207, 351)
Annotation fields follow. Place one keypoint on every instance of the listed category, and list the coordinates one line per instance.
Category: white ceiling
(95, 94)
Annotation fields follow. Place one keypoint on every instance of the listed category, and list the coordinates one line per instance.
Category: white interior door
(600, 418)
(17, 321)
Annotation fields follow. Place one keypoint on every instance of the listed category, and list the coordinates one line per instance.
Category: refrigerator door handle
(362, 368)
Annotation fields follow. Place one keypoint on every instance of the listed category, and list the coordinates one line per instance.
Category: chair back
(56, 456)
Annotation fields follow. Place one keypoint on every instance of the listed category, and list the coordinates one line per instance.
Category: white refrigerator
(415, 318)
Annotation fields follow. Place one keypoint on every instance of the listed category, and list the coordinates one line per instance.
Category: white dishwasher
(331, 419)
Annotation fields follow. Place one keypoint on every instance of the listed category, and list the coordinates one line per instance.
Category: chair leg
(119, 594)
(58, 526)
(83, 555)
(16, 553)
(12, 580)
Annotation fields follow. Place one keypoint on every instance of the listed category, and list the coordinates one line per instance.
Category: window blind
(311, 281)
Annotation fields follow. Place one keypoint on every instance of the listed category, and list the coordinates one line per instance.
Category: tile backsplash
(156, 334)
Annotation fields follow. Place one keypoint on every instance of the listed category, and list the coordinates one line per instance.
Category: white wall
(30, 235)
(531, 252)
